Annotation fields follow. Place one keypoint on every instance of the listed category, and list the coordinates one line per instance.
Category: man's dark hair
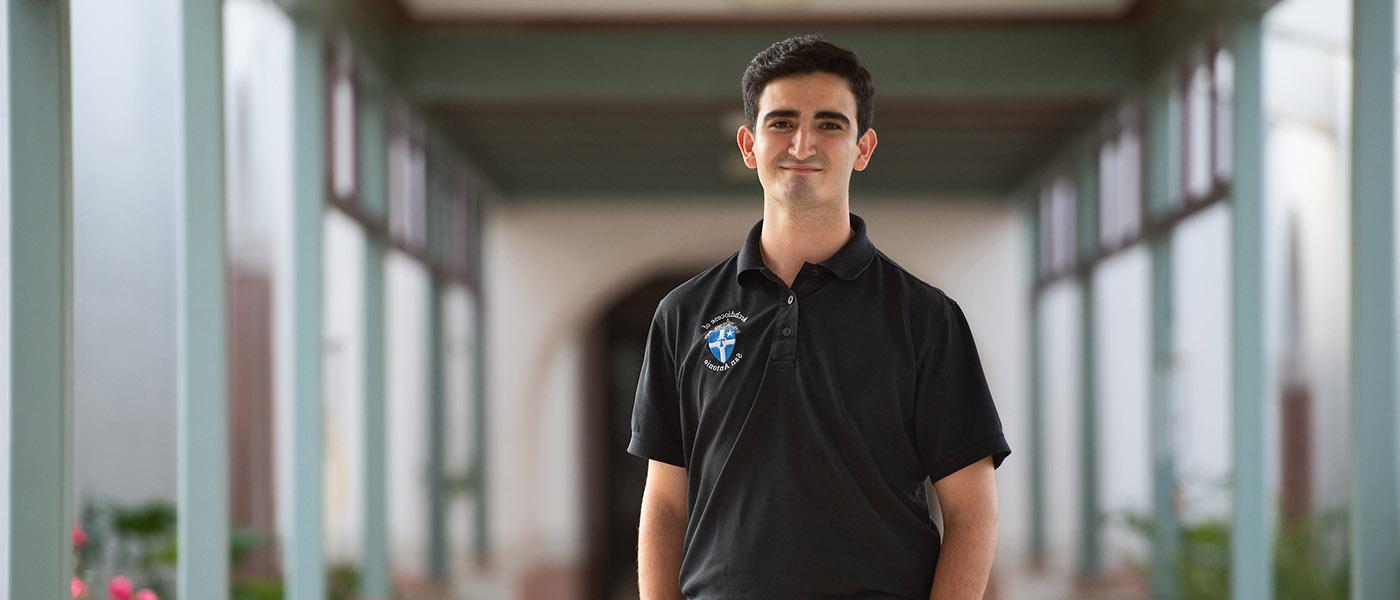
(800, 55)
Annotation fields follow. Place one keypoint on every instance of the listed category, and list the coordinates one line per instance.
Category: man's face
(804, 145)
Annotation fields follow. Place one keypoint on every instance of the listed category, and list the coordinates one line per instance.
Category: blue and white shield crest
(722, 339)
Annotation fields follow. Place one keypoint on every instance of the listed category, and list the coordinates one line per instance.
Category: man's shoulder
(915, 291)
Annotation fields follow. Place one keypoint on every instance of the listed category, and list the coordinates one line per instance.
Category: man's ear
(745, 139)
(866, 144)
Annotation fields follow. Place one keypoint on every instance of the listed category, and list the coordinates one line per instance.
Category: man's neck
(809, 235)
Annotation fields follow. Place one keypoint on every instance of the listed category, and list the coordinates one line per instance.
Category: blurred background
(347, 298)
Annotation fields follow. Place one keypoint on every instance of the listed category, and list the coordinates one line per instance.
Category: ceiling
(632, 99)
(954, 148)
(590, 9)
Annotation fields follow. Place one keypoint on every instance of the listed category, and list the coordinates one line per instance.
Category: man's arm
(661, 532)
(968, 498)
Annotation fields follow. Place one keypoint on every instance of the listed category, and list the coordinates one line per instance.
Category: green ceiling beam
(690, 65)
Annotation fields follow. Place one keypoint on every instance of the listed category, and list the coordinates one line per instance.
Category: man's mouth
(800, 169)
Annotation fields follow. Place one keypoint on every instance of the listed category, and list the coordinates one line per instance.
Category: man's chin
(802, 195)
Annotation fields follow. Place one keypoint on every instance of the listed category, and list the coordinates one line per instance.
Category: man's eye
(779, 124)
(833, 126)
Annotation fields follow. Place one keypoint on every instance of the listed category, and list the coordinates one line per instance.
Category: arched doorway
(613, 478)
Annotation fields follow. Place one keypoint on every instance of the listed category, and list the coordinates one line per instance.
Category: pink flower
(79, 536)
(146, 594)
(77, 586)
(119, 588)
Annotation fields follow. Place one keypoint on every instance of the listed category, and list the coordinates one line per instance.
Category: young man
(794, 398)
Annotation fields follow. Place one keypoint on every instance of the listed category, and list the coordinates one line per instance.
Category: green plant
(1302, 568)
(142, 541)
(342, 583)
(134, 543)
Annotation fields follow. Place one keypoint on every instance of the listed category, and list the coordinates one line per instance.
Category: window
(1063, 196)
(457, 230)
(1120, 180)
(1224, 103)
(1208, 95)
(1198, 132)
(407, 181)
(1108, 197)
(1057, 217)
(342, 127)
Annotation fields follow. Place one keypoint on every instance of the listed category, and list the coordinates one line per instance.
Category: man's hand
(968, 499)
(661, 532)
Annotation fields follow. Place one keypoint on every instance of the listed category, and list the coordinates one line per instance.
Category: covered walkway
(352, 290)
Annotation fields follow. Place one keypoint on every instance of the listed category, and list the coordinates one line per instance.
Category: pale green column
(374, 572)
(201, 346)
(437, 464)
(374, 582)
(1036, 395)
(1091, 527)
(482, 540)
(1163, 152)
(1252, 536)
(302, 554)
(1375, 560)
(1166, 530)
(41, 300)
(437, 484)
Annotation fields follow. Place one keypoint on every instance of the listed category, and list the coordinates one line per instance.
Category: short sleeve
(656, 423)
(956, 422)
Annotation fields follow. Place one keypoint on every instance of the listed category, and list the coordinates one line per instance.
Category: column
(1036, 395)
(1090, 532)
(1374, 555)
(374, 572)
(1166, 530)
(1163, 149)
(437, 483)
(1251, 556)
(39, 516)
(201, 309)
(482, 541)
(302, 554)
(435, 188)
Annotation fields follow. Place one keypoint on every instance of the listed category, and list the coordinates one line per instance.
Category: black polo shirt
(808, 419)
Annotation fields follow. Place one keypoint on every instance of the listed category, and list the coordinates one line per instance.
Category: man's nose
(801, 146)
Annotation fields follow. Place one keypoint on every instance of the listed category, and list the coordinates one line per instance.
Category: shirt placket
(785, 331)
(789, 309)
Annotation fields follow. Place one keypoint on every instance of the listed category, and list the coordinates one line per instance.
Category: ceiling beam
(451, 65)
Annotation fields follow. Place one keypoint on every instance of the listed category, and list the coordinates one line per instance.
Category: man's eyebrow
(787, 113)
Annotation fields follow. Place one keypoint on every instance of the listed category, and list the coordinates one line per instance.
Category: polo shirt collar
(847, 263)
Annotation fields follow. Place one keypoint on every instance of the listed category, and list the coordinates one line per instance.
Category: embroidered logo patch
(722, 339)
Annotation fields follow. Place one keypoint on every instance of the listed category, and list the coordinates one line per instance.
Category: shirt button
(787, 331)
(789, 298)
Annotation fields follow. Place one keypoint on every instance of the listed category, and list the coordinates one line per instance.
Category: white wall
(1203, 411)
(343, 387)
(1060, 334)
(1308, 102)
(408, 382)
(459, 388)
(552, 267)
(1123, 342)
(124, 89)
